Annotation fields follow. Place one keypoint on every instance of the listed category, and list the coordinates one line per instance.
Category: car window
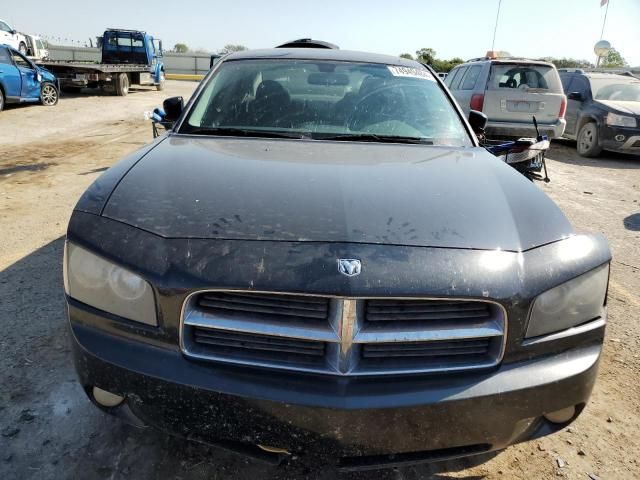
(451, 77)
(469, 80)
(615, 89)
(524, 77)
(320, 99)
(566, 81)
(4, 56)
(5, 27)
(20, 60)
(580, 84)
(456, 81)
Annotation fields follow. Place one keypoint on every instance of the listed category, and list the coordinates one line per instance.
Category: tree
(613, 60)
(407, 56)
(232, 48)
(180, 48)
(426, 55)
(568, 62)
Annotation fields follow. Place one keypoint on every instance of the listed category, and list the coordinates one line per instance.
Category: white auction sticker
(397, 71)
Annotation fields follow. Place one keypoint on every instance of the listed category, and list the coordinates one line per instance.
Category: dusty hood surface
(294, 190)
(622, 107)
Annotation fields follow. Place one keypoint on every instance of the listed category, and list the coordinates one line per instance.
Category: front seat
(271, 104)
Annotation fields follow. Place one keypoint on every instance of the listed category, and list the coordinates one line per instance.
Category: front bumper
(619, 139)
(334, 417)
(520, 129)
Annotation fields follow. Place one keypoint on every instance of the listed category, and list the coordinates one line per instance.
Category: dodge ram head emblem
(349, 266)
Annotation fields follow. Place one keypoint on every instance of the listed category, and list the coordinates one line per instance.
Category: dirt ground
(48, 156)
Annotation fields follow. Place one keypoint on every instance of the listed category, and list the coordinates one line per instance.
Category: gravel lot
(48, 156)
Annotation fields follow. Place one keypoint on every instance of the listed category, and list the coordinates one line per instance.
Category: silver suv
(510, 92)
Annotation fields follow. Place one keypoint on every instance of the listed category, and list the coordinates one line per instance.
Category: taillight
(477, 102)
(563, 107)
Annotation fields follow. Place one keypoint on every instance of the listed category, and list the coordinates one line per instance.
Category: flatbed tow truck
(129, 57)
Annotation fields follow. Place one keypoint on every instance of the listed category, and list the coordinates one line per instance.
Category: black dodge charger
(318, 254)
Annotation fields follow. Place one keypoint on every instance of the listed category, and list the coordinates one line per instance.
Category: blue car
(21, 80)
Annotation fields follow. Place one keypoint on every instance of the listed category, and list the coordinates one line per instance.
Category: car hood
(622, 107)
(297, 190)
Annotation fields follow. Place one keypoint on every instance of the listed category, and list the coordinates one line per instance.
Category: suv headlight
(570, 304)
(99, 283)
(616, 120)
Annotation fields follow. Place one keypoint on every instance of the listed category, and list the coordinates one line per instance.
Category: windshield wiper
(372, 137)
(242, 132)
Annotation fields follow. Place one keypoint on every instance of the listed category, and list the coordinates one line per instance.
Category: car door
(580, 85)
(10, 77)
(29, 76)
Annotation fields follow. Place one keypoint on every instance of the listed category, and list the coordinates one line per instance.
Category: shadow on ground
(50, 430)
(565, 151)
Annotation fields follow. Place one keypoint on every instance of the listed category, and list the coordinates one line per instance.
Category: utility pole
(495, 29)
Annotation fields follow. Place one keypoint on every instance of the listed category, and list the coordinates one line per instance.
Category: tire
(49, 94)
(1, 100)
(587, 140)
(121, 84)
(22, 48)
(160, 86)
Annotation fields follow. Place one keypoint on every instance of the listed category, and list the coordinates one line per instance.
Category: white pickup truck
(10, 36)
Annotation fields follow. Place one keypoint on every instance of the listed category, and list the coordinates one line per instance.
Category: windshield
(330, 100)
(615, 90)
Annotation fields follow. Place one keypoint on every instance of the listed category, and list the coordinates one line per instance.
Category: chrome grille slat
(343, 336)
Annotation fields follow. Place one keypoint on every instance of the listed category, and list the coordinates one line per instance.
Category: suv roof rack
(308, 43)
(124, 30)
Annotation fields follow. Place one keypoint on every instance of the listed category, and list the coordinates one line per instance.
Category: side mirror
(160, 52)
(478, 121)
(173, 108)
(575, 96)
(12, 32)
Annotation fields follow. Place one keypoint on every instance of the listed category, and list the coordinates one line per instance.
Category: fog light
(620, 138)
(561, 416)
(106, 399)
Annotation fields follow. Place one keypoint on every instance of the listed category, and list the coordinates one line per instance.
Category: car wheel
(22, 48)
(1, 100)
(160, 86)
(122, 84)
(588, 145)
(48, 94)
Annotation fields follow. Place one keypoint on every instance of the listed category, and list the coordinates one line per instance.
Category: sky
(454, 28)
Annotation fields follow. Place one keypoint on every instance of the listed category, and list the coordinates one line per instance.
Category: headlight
(572, 303)
(90, 279)
(616, 120)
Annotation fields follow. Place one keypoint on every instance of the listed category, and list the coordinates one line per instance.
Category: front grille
(268, 305)
(433, 349)
(424, 310)
(343, 336)
(266, 348)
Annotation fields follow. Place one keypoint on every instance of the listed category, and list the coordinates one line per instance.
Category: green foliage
(180, 48)
(428, 56)
(568, 62)
(614, 60)
(232, 48)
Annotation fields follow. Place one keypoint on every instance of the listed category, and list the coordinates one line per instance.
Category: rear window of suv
(526, 77)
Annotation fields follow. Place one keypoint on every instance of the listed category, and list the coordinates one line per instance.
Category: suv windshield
(326, 100)
(608, 89)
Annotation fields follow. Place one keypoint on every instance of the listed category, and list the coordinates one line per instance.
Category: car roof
(507, 61)
(605, 76)
(323, 54)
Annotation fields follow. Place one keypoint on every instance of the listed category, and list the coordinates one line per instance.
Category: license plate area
(520, 106)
